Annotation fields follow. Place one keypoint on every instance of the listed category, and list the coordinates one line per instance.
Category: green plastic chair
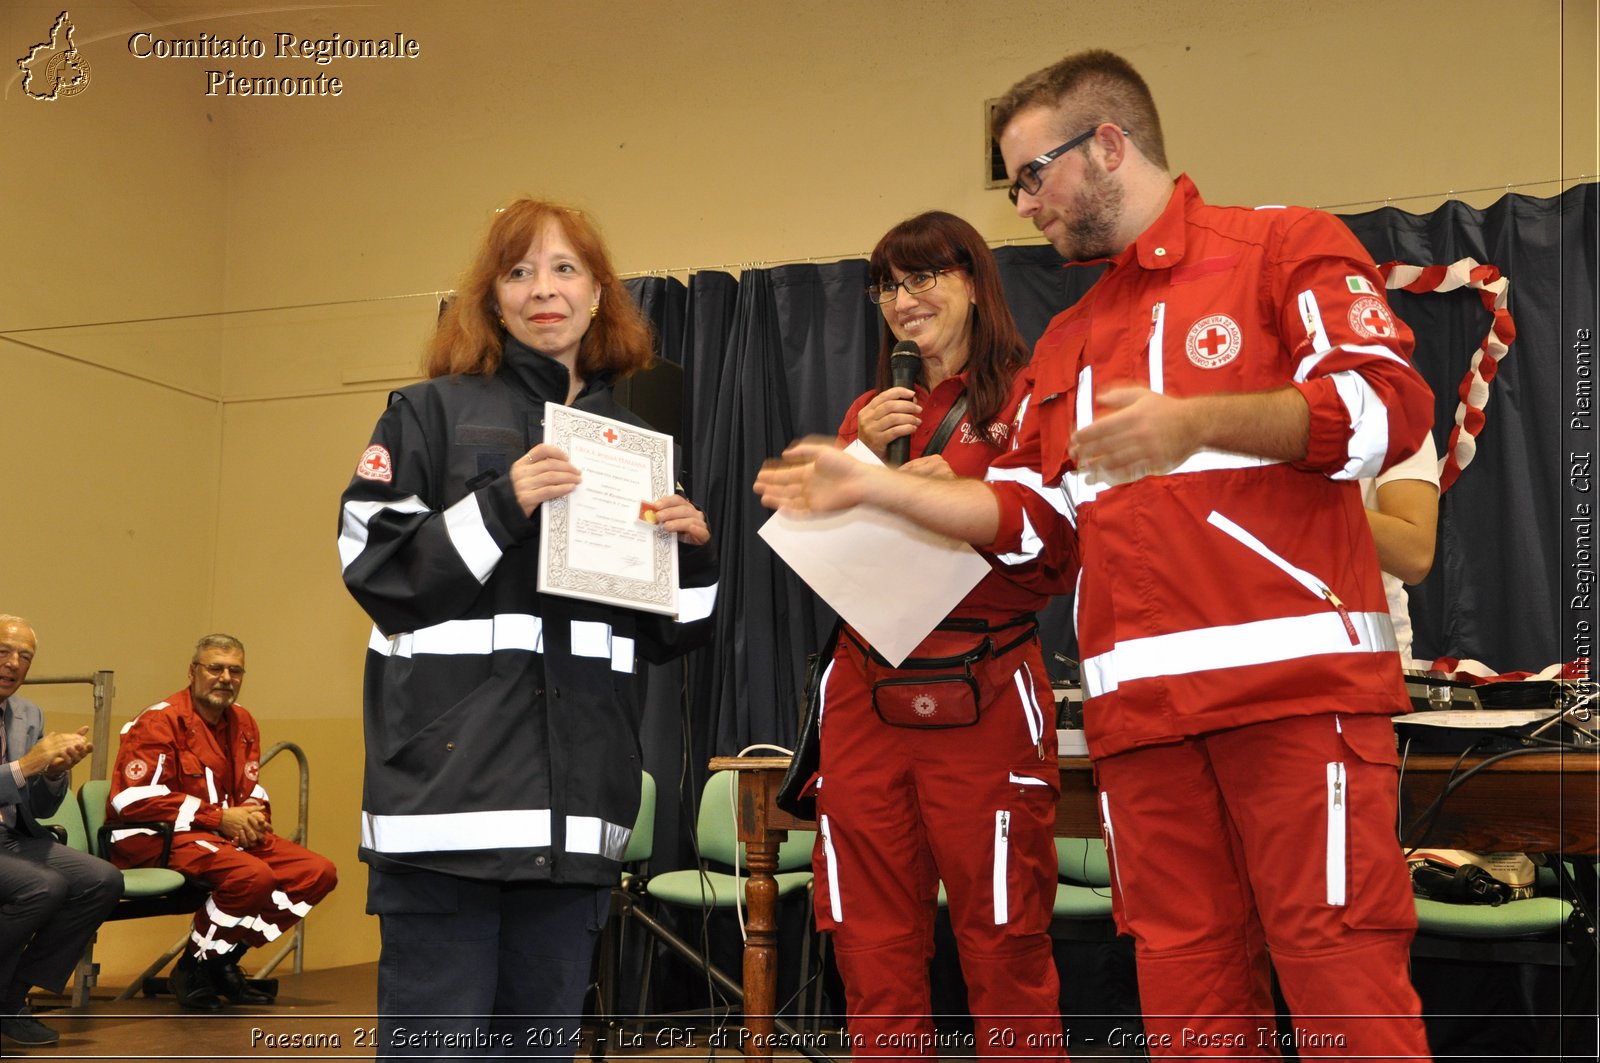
(1084, 892)
(137, 882)
(704, 889)
(717, 838)
(69, 821)
(81, 816)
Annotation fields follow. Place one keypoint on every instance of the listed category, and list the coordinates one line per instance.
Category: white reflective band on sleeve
(118, 835)
(464, 522)
(1234, 646)
(259, 794)
(1029, 546)
(136, 793)
(505, 631)
(157, 707)
(449, 832)
(591, 834)
(1309, 363)
(835, 902)
(1369, 426)
(185, 818)
(357, 515)
(1034, 482)
(696, 603)
(1311, 315)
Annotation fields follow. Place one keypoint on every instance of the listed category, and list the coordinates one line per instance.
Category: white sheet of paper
(592, 542)
(890, 579)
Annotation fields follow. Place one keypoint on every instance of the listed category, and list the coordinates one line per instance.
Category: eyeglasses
(217, 671)
(1028, 179)
(913, 283)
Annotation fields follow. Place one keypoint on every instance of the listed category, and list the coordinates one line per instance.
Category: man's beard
(1091, 232)
(218, 699)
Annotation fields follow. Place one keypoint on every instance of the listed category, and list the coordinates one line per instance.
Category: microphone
(905, 367)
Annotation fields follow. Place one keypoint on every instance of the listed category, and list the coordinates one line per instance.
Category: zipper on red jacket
(1306, 579)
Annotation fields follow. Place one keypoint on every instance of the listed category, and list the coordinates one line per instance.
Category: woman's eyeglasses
(913, 283)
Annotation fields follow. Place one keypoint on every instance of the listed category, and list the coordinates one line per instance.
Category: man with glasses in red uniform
(194, 760)
(1201, 417)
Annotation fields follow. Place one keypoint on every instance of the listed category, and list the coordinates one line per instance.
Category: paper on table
(890, 579)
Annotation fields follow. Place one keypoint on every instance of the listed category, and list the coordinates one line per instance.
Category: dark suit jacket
(39, 797)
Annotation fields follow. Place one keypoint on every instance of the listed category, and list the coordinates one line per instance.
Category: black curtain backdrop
(779, 353)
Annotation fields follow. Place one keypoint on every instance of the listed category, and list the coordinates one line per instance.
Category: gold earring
(594, 311)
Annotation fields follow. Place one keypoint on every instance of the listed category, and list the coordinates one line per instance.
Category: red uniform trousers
(257, 894)
(900, 810)
(1274, 838)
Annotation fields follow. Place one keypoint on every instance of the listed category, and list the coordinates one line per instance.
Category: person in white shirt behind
(1403, 512)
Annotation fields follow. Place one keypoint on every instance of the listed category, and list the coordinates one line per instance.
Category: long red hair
(470, 338)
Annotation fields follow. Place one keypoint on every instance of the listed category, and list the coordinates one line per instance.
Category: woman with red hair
(502, 744)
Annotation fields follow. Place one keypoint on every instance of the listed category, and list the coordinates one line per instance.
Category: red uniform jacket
(173, 767)
(1231, 589)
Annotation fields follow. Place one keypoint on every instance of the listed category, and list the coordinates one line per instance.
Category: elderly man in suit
(52, 898)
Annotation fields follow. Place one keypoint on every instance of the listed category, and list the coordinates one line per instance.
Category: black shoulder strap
(941, 435)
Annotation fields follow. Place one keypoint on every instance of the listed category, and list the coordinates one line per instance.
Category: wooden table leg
(761, 946)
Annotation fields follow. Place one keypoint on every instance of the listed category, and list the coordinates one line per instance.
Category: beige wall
(177, 475)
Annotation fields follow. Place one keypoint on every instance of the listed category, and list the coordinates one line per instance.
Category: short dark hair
(1084, 89)
(995, 350)
(216, 641)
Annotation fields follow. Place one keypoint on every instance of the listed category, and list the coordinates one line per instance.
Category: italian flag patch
(1360, 286)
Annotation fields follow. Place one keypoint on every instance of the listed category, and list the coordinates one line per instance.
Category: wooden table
(1538, 802)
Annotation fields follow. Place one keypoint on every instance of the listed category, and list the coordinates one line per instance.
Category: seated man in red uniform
(193, 761)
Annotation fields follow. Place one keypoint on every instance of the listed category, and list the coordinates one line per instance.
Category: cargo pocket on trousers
(1373, 883)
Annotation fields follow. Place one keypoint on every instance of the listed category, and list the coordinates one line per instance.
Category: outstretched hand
(813, 476)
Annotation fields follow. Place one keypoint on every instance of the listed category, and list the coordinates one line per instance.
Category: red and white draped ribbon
(1474, 389)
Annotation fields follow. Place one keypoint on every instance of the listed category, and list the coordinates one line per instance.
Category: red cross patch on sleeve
(375, 464)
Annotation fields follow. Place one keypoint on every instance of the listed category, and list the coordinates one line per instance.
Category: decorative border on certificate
(594, 543)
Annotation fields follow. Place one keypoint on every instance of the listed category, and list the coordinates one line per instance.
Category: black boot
(231, 982)
(191, 984)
